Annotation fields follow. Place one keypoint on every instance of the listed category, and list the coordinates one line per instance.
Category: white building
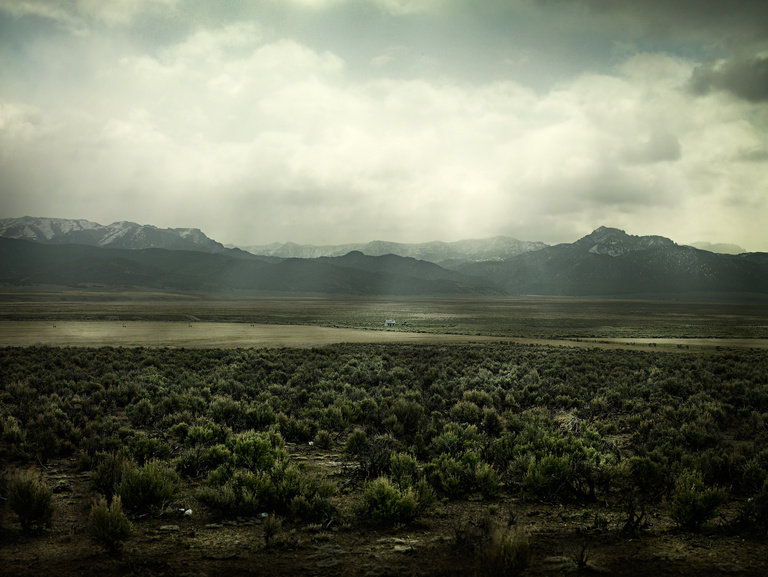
(389, 323)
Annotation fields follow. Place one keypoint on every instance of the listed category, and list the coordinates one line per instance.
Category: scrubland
(395, 458)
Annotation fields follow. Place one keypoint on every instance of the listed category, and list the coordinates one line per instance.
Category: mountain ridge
(606, 262)
(609, 262)
(493, 248)
(24, 263)
(119, 234)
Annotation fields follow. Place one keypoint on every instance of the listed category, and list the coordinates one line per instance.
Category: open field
(521, 317)
(242, 335)
(203, 334)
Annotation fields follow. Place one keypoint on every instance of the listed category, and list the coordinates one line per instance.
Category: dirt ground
(234, 335)
(203, 544)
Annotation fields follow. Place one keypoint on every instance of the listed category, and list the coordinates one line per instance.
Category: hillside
(610, 262)
(496, 248)
(27, 263)
(123, 234)
(606, 262)
(391, 264)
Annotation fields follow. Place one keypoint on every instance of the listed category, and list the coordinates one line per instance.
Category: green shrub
(487, 481)
(374, 456)
(493, 425)
(179, 431)
(199, 460)
(404, 470)
(507, 555)
(144, 448)
(456, 439)
(314, 507)
(207, 434)
(149, 487)
(752, 514)
(385, 503)
(640, 482)
(31, 499)
(108, 526)
(257, 451)
(692, 504)
(323, 439)
(283, 489)
(357, 443)
(409, 415)
(576, 475)
(272, 526)
(140, 414)
(425, 495)
(466, 412)
(106, 477)
(49, 434)
(453, 477)
(296, 430)
(14, 435)
(223, 498)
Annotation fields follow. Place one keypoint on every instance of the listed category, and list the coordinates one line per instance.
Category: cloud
(394, 7)
(255, 136)
(744, 77)
(659, 147)
(52, 10)
(78, 16)
(734, 21)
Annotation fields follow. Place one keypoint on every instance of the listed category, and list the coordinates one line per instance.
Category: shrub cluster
(108, 526)
(30, 498)
(459, 421)
(255, 476)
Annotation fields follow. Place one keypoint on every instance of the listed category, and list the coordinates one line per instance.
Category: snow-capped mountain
(122, 234)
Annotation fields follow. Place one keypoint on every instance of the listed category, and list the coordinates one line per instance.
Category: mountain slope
(611, 262)
(23, 262)
(396, 266)
(495, 248)
(606, 262)
(123, 234)
(615, 242)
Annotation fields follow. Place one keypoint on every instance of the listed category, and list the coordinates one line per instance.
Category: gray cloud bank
(331, 121)
(746, 78)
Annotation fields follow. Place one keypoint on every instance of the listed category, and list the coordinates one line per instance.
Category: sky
(340, 121)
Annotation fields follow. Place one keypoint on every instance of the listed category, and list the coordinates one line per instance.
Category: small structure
(389, 323)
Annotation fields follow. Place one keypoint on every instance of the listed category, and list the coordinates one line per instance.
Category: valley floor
(247, 335)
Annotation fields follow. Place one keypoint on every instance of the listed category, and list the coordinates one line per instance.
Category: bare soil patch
(193, 334)
(189, 334)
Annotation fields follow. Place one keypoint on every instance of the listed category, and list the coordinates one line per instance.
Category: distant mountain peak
(120, 234)
(615, 242)
(604, 228)
(494, 249)
(719, 247)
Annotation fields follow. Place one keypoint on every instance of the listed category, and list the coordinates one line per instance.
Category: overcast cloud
(332, 121)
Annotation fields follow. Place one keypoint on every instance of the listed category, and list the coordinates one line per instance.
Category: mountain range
(496, 248)
(610, 262)
(123, 234)
(607, 262)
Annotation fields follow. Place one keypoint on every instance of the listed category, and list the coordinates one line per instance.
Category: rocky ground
(442, 543)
